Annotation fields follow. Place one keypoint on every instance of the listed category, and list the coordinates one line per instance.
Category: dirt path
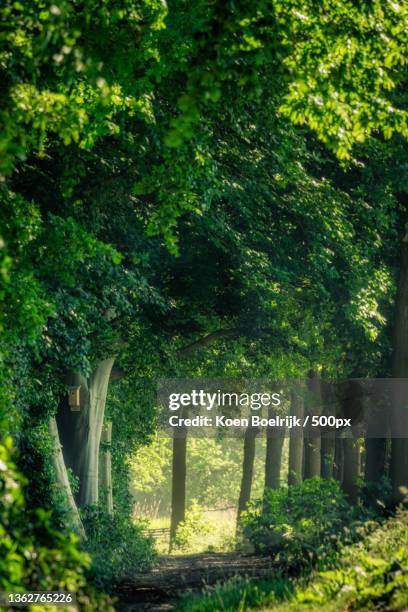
(173, 574)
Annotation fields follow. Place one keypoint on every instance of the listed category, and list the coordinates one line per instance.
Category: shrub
(299, 524)
(116, 545)
(195, 524)
(377, 495)
(371, 574)
(34, 555)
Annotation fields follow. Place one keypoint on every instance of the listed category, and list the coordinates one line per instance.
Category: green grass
(160, 522)
(369, 575)
(216, 533)
(238, 594)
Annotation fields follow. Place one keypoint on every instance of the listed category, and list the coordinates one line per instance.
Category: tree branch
(116, 374)
(206, 340)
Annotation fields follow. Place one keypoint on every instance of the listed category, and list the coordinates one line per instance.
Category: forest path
(176, 573)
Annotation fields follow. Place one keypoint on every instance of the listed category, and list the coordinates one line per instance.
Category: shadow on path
(173, 574)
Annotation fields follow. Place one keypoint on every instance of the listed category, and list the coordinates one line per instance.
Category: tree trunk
(296, 441)
(375, 444)
(351, 473)
(399, 446)
(273, 460)
(352, 406)
(247, 471)
(312, 442)
(338, 468)
(62, 478)
(72, 425)
(327, 455)
(312, 455)
(106, 467)
(179, 474)
(328, 438)
(89, 452)
(374, 471)
(81, 431)
(375, 459)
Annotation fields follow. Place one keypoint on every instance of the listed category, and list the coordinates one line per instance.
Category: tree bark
(338, 468)
(81, 431)
(352, 406)
(376, 451)
(247, 471)
(375, 444)
(327, 455)
(399, 446)
(328, 438)
(351, 474)
(89, 452)
(312, 456)
(312, 442)
(273, 460)
(296, 441)
(72, 425)
(179, 474)
(106, 467)
(62, 478)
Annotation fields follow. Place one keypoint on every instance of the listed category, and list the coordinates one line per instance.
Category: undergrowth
(371, 574)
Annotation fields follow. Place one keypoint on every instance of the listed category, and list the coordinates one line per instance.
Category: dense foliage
(127, 547)
(34, 554)
(172, 204)
(300, 524)
(366, 575)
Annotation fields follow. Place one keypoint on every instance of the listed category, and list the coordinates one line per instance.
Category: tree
(106, 467)
(273, 458)
(247, 471)
(399, 448)
(312, 444)
(178, 491)
(342, 89)
(295, 468)
(338, 471)
(328, 438)
(376, 444)
(117, 157)
(352, 404)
